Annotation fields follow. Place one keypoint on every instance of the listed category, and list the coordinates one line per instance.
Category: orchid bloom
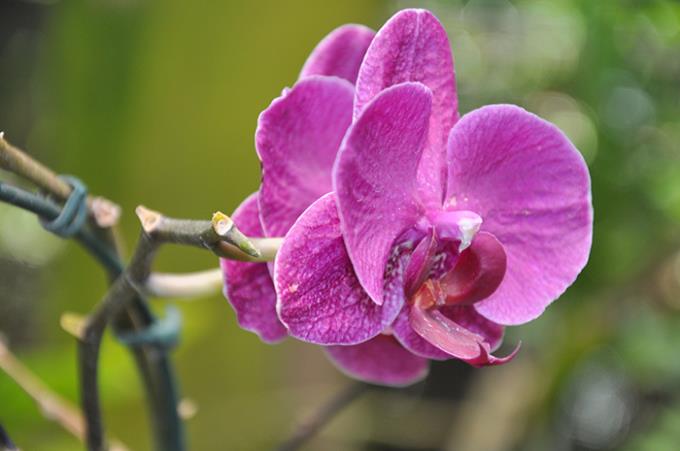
(430, 233)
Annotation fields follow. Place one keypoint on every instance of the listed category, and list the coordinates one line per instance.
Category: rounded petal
(375, 175)
(532, 189)
(381, 360)
(319, 297)
(413, 46)
(340, 53)
(297, 140)
(248, 286)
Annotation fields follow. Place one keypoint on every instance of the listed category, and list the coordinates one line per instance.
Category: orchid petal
(413, 46)
(297, 140)
(532, 189)
(248, 286)
(340, 53)
(319, 297)
(374, 178)
(381, 360)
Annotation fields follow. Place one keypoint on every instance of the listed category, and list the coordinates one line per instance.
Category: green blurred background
(155, 103)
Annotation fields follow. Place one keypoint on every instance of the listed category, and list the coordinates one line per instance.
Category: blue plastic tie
(74, 213)
(163, 332)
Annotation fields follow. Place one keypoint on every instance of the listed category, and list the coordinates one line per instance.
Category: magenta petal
(381, 360)
(413, 46)
(319, 297)
(248, 286)
(532, 189)
(297, 140)
(340, 53)
(374, 178)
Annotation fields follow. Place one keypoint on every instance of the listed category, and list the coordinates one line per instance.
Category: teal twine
(48, 211)
(74, 212)
(164, 332)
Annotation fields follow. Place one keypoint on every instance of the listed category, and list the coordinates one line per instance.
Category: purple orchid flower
(429, 235)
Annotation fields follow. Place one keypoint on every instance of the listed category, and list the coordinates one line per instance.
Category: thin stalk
(52, 405)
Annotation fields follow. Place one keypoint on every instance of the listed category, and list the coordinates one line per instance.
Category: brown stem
(53, 406)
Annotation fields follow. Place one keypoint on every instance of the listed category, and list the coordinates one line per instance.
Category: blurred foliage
(156, 103)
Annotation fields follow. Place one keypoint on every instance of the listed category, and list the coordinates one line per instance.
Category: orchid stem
(323, 416)
(215, 236)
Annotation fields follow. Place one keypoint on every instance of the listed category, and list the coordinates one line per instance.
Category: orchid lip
(452, 337)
